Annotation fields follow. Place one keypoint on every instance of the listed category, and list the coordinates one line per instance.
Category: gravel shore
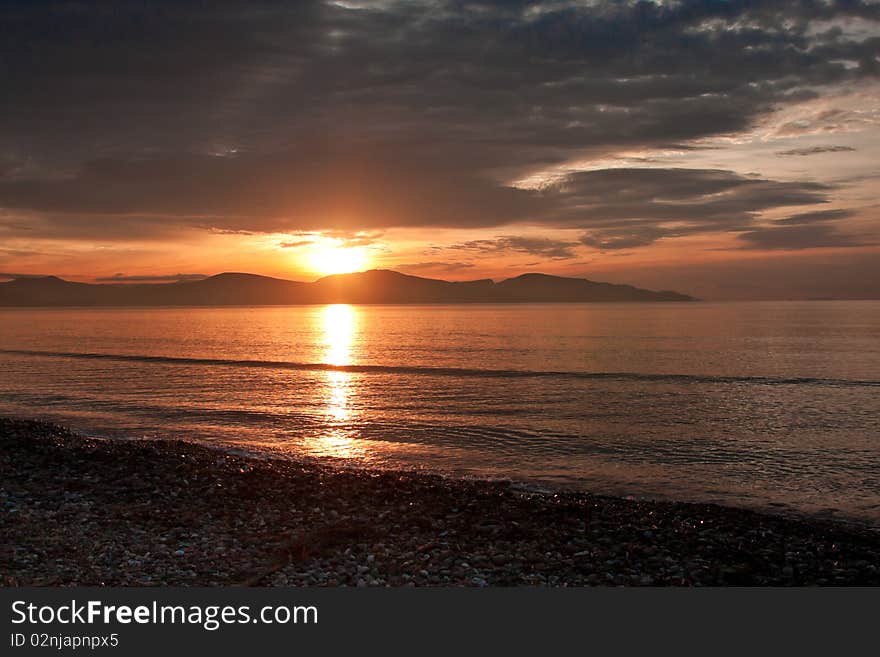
(82, 511)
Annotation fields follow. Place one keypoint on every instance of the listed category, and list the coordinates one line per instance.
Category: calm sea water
(756, 404)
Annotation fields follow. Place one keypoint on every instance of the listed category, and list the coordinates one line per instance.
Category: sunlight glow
(339, 440)
(340, 324)
(330, 256)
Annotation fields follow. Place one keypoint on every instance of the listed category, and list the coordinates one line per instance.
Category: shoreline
(90, 511)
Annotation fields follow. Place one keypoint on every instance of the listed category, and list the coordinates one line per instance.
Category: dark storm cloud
(264, 116)
(169, 278)
(800, 237)
(815, 150)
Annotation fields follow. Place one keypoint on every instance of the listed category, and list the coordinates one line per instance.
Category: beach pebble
(233, 521)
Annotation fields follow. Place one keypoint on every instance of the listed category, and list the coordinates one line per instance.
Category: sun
(330, 256)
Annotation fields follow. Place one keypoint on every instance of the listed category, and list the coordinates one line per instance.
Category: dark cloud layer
(805, 230)
(627, 208)
(127, 118)
(315, 186)
(794, 238)
(620, 208)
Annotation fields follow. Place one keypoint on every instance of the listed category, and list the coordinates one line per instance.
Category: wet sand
(85, 511)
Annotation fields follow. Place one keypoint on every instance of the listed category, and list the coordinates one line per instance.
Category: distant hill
(375, 286)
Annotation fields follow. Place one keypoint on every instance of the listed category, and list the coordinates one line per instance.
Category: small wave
(449, 371)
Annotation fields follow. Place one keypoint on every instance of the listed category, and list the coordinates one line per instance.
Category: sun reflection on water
(340, 324)
(339, 439)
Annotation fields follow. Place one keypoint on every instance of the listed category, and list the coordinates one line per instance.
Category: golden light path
(340, 323)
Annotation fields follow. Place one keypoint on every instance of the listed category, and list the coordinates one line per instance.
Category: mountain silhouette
(369, 287)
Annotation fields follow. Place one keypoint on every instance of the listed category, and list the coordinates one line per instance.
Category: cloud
(17, 253)
(793, 238)
(280, 117)
(361, 192)
(231, 231)
(175, 278)
(817, 216)
(815, 150)
(343, 188)
(822, 121)
(675, 194)
(295, 244)
(231, 78)
(629, 208)
(434, 267)
(547, 248)
(612, 240)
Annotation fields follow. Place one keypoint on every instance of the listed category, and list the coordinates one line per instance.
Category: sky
(729, 150)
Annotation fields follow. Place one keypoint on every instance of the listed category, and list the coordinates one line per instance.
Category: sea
(769, 405)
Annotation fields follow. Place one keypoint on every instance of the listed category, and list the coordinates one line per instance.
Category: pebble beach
(85, 511)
